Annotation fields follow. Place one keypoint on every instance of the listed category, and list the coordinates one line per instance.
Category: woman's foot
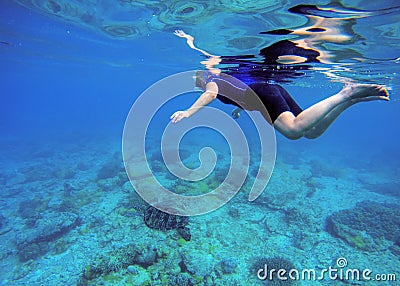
(370, 98)
(364, 92)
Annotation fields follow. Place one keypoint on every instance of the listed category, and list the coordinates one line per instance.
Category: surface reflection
(325, 39)
(295, 38)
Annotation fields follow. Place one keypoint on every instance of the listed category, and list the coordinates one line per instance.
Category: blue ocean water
(71, 71)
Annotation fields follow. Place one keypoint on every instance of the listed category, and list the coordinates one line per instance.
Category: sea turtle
(154, 218)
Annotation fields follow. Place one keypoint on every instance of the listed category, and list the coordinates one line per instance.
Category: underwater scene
(118, 167)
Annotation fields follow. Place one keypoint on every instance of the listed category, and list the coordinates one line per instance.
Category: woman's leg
(323, 125)
(326, 111)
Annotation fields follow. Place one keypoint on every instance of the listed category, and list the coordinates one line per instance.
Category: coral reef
(3, 221)
(56, 231)
(369, 226)
(33, 241)
(323, 168)
(229, 265)
(49, 227)
(389, 189)
(31, 209)
(133, 204)
(121, 258)
(182, 279)
(109, 170)
(234, 212)
(196, 264)
(297, 216)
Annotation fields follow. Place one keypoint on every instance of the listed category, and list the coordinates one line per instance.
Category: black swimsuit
(274, 97)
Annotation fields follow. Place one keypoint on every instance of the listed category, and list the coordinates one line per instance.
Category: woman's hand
(179, 115)
(182, 34)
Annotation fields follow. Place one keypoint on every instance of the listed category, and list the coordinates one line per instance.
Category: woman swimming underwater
(282, 111)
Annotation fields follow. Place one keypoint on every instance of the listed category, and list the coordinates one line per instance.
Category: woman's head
(201, 77)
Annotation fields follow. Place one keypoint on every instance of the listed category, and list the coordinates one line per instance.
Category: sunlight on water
(346, 43)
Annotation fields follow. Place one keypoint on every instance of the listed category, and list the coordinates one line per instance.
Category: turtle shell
(154, 218)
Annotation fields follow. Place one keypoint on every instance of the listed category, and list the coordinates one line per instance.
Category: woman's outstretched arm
(190, 42)
(211, 88)
(205, 98)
